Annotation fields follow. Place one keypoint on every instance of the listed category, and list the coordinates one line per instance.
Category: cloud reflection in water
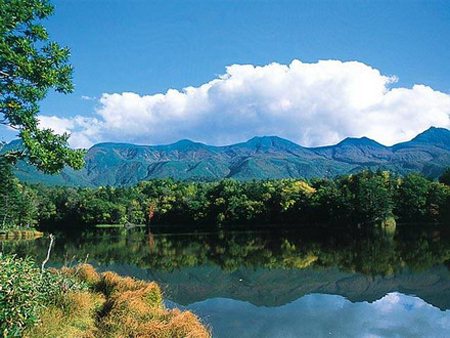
(319, 315)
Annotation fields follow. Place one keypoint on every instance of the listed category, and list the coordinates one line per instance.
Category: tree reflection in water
(268, 268)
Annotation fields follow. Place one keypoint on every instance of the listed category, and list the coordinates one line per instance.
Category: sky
(219, 72)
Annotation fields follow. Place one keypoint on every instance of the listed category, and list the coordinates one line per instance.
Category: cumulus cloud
(312, 104)
(59, 125)
(84, 131)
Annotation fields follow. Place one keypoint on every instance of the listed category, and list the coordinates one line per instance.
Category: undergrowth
(25, 291)
(79, 302)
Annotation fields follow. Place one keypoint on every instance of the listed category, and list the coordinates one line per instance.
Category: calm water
(282, 284)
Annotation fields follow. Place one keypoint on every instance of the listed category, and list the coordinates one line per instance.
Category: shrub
(25, 290)
(20, 296)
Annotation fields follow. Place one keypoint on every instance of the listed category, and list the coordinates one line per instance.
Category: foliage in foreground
(82, 303)
(25, 290)
(30, 66)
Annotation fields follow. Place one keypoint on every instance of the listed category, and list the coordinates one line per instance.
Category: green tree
(9, 196)
(445, 177)
(373, 199)
(331, 202)
(438, 202)
(30, 66)
(97, 211)
(411, 198)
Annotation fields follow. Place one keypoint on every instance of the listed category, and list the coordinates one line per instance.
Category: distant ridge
(361, 141)
(437, 137)
(262, 157)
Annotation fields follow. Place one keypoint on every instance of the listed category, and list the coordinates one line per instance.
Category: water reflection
(282, 283)
(317, 315)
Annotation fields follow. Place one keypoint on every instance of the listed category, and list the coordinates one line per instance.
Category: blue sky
(148, 47)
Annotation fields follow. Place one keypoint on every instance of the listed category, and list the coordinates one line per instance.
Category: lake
(281, 283)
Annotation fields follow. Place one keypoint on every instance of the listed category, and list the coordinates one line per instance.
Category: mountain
(266, 157)
(437, 137)
(362, 151)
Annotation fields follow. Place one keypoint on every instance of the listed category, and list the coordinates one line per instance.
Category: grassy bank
(80, 302)
(14, 235)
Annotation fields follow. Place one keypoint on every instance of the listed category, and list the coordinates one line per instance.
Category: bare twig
(52, 238)
(86, 259)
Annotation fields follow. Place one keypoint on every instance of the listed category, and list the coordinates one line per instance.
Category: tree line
(363, 199)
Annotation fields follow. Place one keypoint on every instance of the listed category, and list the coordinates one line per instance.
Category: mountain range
(267, 157)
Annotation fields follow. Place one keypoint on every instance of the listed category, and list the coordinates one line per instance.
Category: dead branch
(52, 238)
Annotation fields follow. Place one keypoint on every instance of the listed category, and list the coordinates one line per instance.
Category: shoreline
(15, 235)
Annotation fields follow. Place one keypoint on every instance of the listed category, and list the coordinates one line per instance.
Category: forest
(359, 200)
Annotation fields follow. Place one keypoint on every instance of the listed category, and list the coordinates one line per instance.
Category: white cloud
(87, 98)
(83, 131)
(57, 124)
(309, 103)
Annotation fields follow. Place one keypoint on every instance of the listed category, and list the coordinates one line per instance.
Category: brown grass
(186, 324)
(72, 315)
(115, 307)
(83, 272)
(111, 282)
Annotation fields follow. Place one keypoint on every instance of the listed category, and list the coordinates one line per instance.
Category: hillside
(267, 157)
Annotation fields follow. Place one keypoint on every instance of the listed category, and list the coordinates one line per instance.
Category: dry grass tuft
(135, 309)
(83, 272)
(186, 324)
(87, 273)
(73, 315)
(111, 282)
(149, 296)
(125, 308)
(129, 312)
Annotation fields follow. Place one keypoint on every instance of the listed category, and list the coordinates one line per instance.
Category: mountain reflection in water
(319, 315)
(282, 283)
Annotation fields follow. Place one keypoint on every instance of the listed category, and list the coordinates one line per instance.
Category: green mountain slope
(267, 157)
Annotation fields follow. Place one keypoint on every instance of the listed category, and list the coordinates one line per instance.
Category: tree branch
(52, 238)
